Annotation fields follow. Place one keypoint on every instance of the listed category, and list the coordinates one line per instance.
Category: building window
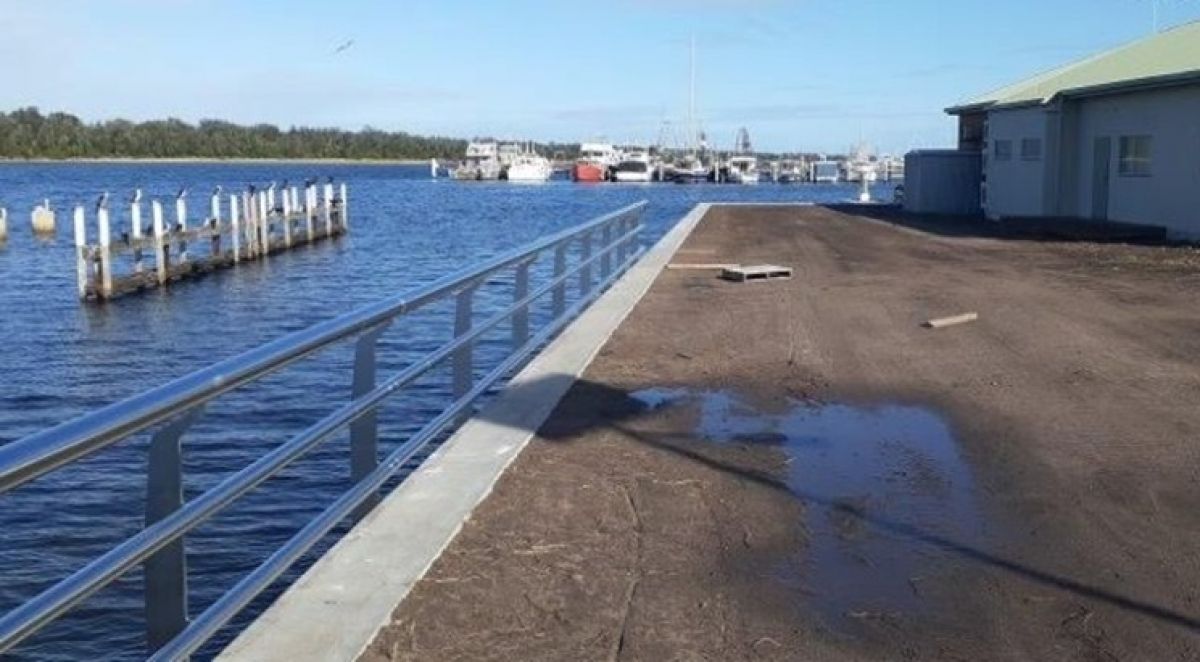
(1003, 150)
(1031, 149)
(1135, 156)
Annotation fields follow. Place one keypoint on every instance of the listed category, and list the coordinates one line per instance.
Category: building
(1113, 137)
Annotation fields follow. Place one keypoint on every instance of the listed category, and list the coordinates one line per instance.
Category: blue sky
(800, 74)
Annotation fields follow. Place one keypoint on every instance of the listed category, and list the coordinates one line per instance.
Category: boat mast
(692, 94)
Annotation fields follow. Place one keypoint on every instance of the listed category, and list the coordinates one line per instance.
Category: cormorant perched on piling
(102, 201)
(217, 191)
(182, 193)
(137, 196)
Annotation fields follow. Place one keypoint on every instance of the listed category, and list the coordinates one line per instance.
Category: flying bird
(344, 47)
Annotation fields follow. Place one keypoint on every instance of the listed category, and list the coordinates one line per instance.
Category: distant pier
(254, 223)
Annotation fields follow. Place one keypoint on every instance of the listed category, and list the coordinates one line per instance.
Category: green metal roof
(1168, 55)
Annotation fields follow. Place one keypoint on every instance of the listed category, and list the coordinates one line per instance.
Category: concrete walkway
(798, 470)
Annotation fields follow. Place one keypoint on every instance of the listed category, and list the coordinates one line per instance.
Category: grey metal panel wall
(942, 182)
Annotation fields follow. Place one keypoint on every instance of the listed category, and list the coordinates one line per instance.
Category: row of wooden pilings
(255, 223)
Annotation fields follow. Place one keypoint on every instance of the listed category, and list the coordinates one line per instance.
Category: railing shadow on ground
(1027, 229)
(592, 406)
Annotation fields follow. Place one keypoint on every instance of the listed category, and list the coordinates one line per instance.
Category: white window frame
(1134, 162)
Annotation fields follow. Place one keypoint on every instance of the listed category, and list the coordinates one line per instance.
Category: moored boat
(530, 167)
(634, 166)
(743, 169)
(595, 162)
(481, 162)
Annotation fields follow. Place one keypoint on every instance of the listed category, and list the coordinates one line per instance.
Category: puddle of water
(884, 487)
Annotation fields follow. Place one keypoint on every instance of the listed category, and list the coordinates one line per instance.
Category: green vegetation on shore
(28, 134)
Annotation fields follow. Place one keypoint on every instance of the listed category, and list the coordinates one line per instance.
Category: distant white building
(1112, 137)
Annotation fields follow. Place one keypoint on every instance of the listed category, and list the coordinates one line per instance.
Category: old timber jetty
(255, 223)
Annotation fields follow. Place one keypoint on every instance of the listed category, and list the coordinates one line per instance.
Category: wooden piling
(104, 260)
(327, 210)
(214, 223)
(287, 219)
(135, 230)
(81, 251)
(309, 209)
(248, 227)
(181, 225)
(252, 229)
(235, 227)
(264, 224)
(160, 248)
(344, 215)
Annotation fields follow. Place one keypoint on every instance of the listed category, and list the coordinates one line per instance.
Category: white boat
(743, 169)
(634, 166)
(790, 172)
(482, 162)
(530, 167)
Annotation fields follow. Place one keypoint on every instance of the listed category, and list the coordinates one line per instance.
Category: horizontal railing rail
(170, 633)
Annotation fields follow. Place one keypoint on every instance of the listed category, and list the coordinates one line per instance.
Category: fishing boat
(481, 162)
(634, 166)
(742, 169)
(594, 163)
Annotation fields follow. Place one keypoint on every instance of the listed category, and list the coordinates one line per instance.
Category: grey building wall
(942, 182)
(1016, 186)
(1170, 195)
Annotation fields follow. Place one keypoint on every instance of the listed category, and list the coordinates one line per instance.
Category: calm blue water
(61, 359)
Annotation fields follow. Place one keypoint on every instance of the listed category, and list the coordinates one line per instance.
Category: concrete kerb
(337, 607)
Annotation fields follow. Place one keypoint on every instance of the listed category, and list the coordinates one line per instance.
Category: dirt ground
(1074, 401)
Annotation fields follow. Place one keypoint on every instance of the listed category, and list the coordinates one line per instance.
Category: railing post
(464, 356)
(166, 570)
(520, 317)
(585, 272)
(606, 255)
(364, 431)
(559, 297)
(81, 251)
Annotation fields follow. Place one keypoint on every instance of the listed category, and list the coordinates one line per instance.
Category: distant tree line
(27, 133)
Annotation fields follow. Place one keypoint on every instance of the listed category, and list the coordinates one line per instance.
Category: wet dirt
(882, 486)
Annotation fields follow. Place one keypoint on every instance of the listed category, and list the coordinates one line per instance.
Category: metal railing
(171, 634)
